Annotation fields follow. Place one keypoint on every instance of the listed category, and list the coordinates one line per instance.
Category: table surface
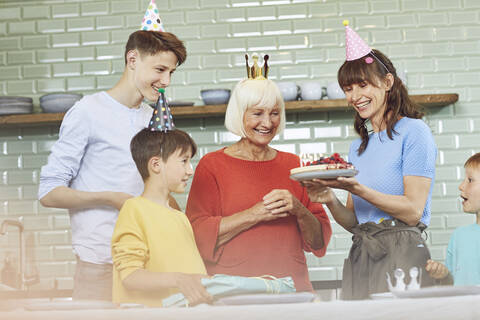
(458, 307)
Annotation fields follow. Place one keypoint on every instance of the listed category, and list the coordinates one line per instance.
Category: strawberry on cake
(334, 162)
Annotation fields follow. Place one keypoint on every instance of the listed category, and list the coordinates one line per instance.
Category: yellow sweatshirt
(155, 238)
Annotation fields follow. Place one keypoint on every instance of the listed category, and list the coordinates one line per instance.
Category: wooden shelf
(426, 100)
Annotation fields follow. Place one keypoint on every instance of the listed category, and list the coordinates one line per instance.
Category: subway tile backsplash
(78, 45)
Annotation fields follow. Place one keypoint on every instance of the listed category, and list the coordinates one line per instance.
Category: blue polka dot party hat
(151, 21)
(162, 119)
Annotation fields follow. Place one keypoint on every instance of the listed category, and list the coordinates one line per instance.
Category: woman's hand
(280, 201)
(232, 225)
(349, 184)
(191, 287)
(317, 192)
(262, 213)
(321, 191)
(283, 202)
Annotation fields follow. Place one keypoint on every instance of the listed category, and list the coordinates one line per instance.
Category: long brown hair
(398, 103)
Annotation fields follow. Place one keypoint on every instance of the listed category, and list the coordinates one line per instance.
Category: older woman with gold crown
(248, 216)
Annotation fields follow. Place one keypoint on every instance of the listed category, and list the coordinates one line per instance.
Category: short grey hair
(250, 93)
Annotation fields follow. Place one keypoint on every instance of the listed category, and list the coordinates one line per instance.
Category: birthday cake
(325, 164)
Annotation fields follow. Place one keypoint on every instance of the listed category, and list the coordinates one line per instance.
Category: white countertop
(459, 307)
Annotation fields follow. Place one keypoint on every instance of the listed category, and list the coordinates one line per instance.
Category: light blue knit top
(385, 162)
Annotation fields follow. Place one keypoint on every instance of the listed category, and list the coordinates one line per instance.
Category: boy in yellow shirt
(153, 246)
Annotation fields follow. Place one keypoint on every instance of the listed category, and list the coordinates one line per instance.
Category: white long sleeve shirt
(93, 154)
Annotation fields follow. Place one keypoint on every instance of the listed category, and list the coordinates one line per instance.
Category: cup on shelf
(311, 90)
(334, 91)
(289, 90)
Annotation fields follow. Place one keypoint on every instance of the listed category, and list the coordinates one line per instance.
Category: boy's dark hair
(153, 42)
(473, 161)
(147, 144)
(398, 103)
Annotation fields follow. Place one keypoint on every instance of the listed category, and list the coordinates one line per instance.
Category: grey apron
(381, 248)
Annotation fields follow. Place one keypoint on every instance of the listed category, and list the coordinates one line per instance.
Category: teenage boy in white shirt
(90, 170)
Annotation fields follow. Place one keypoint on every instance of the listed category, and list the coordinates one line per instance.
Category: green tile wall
(56, 46)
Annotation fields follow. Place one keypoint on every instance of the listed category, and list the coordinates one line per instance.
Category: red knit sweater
(224, 185)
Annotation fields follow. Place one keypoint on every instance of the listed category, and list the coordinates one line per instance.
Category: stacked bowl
(58, 102)
(15, 105)
(215, 96)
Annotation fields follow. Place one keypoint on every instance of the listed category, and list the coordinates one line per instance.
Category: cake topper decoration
(256, 71)
(400, 285)
(162, 119)
(151, 21)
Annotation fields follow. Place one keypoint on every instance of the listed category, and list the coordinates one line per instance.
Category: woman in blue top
(388, 204)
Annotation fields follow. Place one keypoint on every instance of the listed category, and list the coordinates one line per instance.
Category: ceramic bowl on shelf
(289, 90)
(10, 99)
(18, 107)
(15, 105)
(58, 102)
(311, 90)
(215, 96)
(334, 91)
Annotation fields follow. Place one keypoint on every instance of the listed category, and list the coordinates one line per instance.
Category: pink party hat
(151, 21)
(355, 46)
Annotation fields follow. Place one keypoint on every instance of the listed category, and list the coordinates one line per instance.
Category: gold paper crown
(255, 71)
